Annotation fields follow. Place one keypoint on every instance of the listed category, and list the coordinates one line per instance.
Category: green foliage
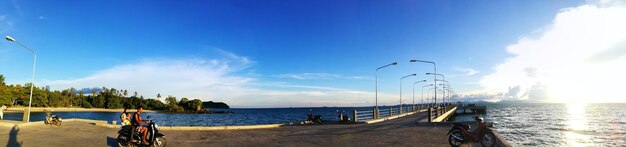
(196, 105)
(113, 103)
(172, 104)
(86, 104)
(18, 95)
(183, 102)
(98, 101)
(154, 104)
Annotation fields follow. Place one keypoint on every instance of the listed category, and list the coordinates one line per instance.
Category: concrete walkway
(71, 133)
(405, 131)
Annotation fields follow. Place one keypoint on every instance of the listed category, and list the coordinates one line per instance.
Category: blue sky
(267, 53)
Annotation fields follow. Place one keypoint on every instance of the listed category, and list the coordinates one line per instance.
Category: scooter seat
(464, 125)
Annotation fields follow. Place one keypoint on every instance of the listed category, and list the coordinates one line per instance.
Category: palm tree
(1, 79)
(80, 96)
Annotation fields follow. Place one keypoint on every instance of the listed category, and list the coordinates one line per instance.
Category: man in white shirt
(2, 111)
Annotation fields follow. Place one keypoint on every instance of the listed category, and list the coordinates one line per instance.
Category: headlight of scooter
(156, 126)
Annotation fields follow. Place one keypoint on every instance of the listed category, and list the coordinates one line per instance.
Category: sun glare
(588, 83)
(576, 123)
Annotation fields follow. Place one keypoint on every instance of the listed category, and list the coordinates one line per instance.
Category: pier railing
(369, 114)
(363, 115)
(441, 113)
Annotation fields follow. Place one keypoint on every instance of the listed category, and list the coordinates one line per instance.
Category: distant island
(215, 105)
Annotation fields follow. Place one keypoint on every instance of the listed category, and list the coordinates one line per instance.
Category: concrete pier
(410, 130)
(449, 112)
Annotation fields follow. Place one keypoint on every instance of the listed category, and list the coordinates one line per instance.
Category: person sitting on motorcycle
(125, 117)
(309, 118)
(48, 117)
(141, 125)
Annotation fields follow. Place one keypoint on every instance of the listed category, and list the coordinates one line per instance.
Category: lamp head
(413, 74)
(394, 63)
(413, 61)
(9, 38)
(423, 81)
(428, 73)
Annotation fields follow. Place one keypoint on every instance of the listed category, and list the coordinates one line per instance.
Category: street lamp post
(436, 74)
(431, 99)
(446, 89)
(445, 85)
(376, 79)
(435, 71)
(450, 92)
(414, 92)
(400, 110)
(423, 92)
(30, 100)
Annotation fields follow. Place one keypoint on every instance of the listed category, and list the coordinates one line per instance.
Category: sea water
(549, 124)
(522, 124)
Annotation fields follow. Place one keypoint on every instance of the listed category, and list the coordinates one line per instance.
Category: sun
(587, 83)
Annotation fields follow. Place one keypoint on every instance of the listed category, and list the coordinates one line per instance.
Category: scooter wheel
(453, 141)
(488, 140)
(159, 142)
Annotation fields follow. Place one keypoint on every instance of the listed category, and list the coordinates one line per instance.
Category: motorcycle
(343, 118)
(53, 119)
(460, 133)
(154, 138)
(317, 119)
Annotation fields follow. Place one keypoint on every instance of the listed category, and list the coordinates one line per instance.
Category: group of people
(136, 121)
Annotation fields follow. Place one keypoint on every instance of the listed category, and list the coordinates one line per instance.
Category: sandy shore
(44, 109)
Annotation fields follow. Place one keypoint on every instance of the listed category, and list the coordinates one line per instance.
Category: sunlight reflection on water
(577, 125)
(545, 124)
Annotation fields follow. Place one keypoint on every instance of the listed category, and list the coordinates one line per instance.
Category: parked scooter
(343, 118)
(460, 133)
(317, 119)
(154, 138)
(53, 119)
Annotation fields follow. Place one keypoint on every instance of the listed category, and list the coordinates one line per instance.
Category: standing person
(2, 111)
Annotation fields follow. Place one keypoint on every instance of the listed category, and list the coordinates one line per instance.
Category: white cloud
(310, 76)
(6, 24)
(467, 71)
(320, 76)
(217, 80)
(196, 78)
(579, 57)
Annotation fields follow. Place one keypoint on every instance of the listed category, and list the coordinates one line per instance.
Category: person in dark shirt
(141, 124)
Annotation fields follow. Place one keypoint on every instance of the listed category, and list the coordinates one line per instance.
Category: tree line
(18, 95)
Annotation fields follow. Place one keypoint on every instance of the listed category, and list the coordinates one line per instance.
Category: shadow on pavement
(13, 138)
(111, 141)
